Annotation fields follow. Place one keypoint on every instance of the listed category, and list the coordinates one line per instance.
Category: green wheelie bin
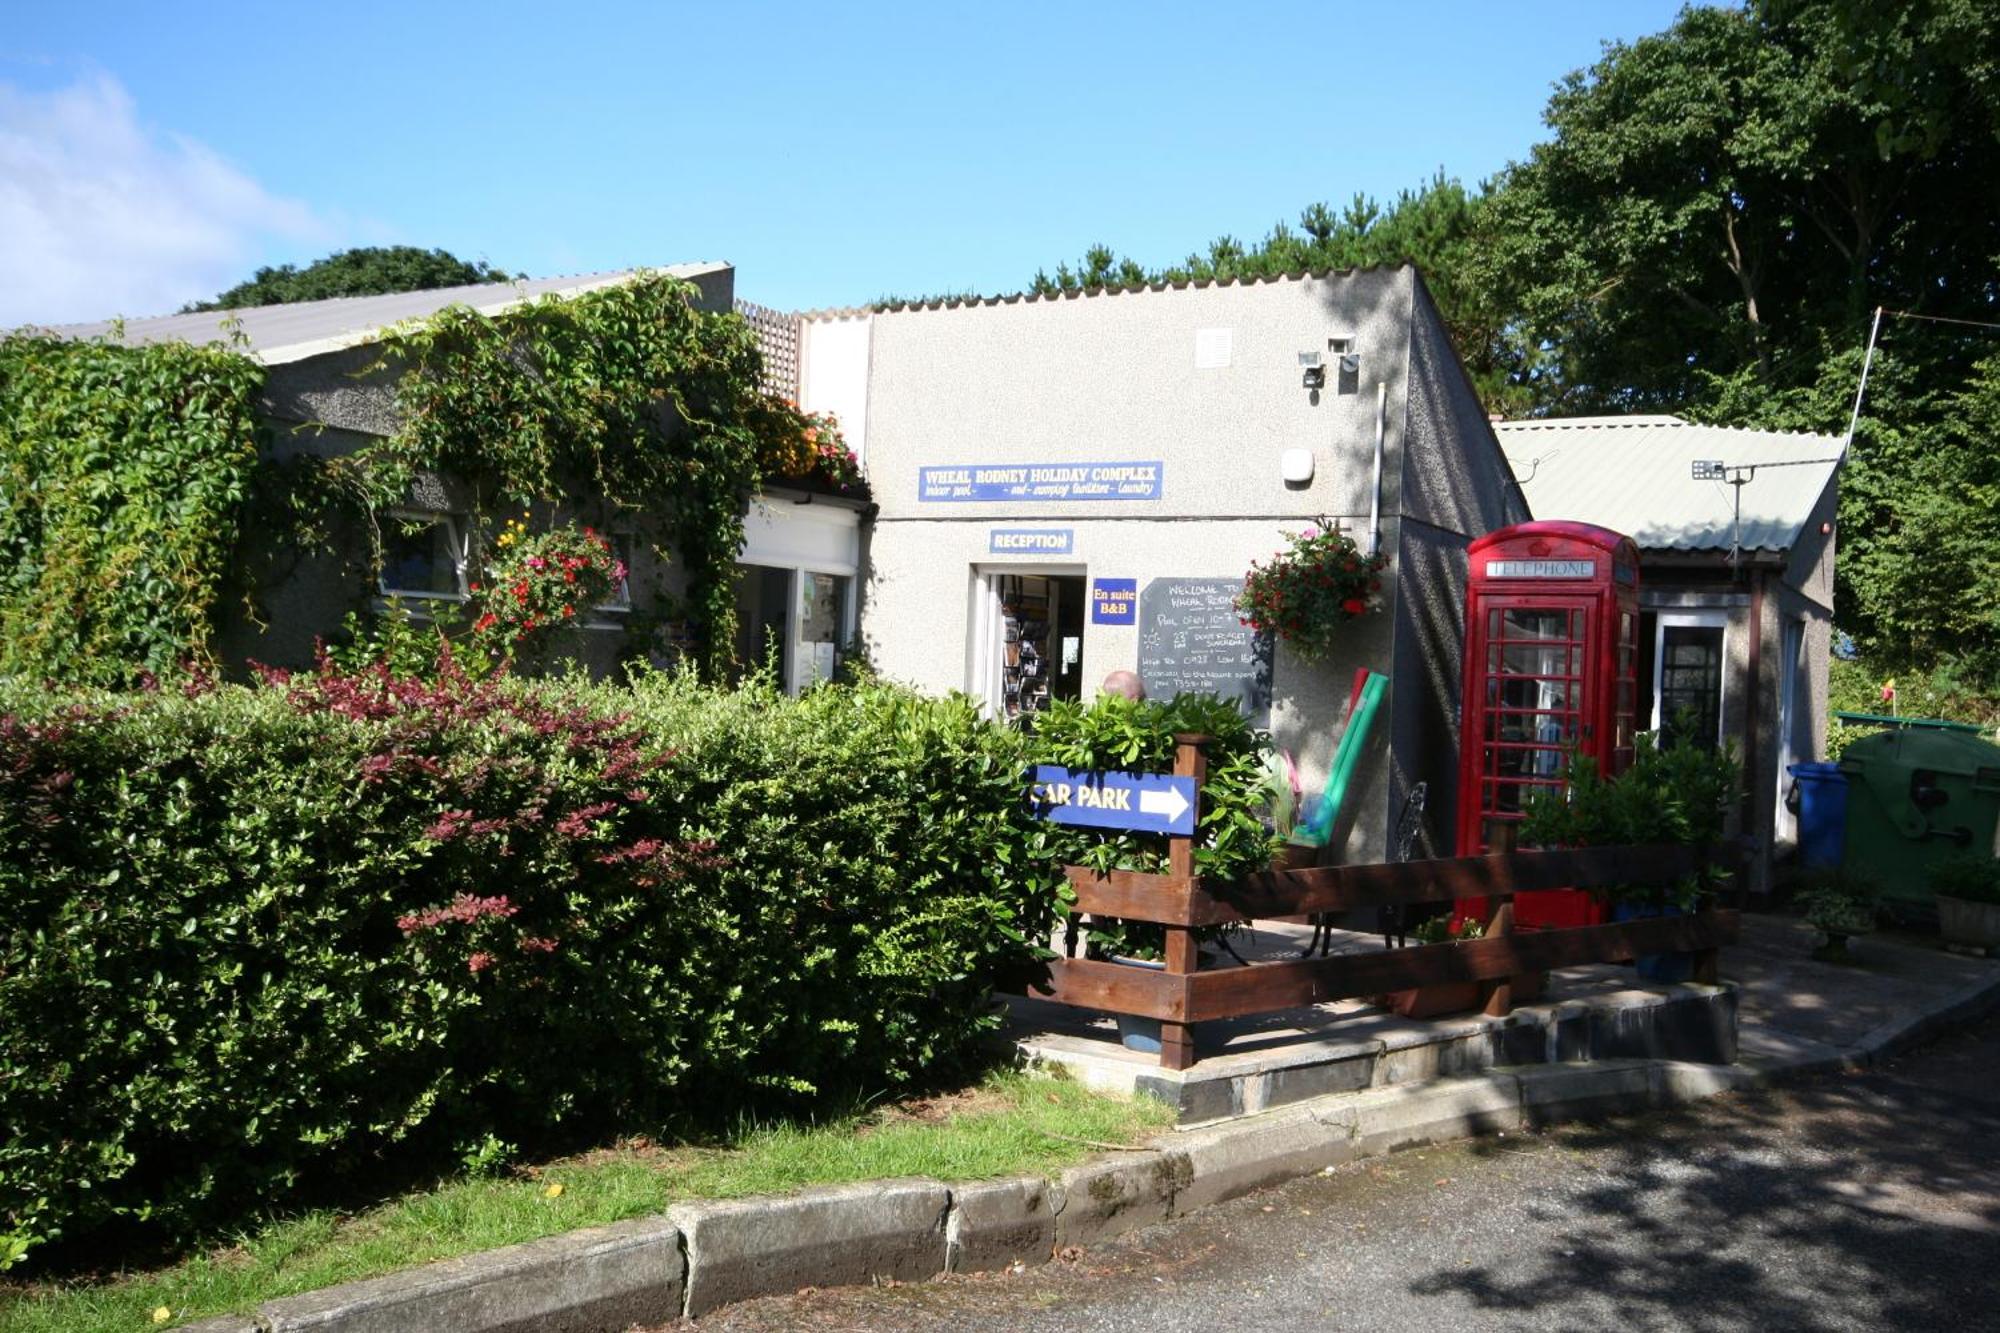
(1918, 792)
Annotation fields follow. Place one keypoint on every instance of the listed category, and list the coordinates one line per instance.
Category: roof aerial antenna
(1854, 419)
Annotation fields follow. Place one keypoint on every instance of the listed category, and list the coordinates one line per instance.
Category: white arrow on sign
(1169, 803)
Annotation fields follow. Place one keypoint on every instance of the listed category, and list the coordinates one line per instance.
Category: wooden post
(1176, 1042)
(1498, 996)
(1707, 962)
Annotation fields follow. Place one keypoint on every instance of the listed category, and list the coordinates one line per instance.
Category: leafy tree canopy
(367, 271)
(1714, 215)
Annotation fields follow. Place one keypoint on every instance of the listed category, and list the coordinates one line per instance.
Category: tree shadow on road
(1848, 1202)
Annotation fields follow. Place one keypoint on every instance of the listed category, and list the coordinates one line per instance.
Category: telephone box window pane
(1531, 660)
(1519, 623)
(1691, 683)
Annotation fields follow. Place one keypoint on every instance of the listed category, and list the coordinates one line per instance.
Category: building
(802, 550)
(1077, 484)
(1736, 607)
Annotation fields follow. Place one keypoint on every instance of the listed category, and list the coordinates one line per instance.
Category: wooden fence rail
(1181, 902)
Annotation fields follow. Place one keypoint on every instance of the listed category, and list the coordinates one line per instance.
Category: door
(1534, 699)
(1026, 642)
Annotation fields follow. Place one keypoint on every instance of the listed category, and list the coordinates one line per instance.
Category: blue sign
(1114, 601)
(1139, 802)
(1031, 541)
(1023, 482)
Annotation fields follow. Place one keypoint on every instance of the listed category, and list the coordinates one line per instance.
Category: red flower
(1354, 606)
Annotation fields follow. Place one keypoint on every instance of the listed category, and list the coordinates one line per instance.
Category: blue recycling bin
(1819, 794)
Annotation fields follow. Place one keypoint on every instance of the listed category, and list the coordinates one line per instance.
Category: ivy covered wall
(170, 505)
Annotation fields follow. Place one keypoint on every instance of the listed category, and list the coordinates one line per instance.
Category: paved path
(1845, 1202)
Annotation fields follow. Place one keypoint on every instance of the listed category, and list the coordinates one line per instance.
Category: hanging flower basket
(1309, 591)
(541, 584)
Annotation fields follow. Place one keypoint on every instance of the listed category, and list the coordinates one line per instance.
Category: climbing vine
(128, 474)
(632, 394)
(123, 475)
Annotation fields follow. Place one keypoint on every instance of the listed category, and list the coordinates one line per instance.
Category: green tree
(1727, 200)
(1716, 212)
(368, 271)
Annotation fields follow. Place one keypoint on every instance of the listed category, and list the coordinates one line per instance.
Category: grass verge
(1010, 1123)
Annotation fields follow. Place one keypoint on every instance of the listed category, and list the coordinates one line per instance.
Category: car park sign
(1135, 802)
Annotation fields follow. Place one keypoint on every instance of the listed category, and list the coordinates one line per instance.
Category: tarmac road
(1846, 1202)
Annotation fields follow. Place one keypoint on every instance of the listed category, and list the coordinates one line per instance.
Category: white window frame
(795, 612)
(456, 539)
(1662, 622)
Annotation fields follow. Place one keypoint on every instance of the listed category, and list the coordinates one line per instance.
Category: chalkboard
(1191, 641)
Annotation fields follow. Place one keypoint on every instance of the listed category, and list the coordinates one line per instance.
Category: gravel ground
(1848, 1202)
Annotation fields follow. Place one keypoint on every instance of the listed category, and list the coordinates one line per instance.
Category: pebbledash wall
(1204, 381)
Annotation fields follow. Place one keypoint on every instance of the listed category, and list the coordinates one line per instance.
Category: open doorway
(1028, 640)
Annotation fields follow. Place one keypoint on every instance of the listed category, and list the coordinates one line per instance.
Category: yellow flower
(162, 1315)
(552, 1192)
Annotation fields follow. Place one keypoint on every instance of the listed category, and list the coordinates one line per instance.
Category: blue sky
(154, 153)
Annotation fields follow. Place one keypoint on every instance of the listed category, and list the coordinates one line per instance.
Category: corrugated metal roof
(1080, 293)
(281, 333)
(1634, 475)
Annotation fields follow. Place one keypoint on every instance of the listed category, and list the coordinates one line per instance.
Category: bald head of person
(1125, 684)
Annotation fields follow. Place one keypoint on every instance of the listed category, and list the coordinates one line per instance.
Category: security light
(1314, 376)
(1710, 469)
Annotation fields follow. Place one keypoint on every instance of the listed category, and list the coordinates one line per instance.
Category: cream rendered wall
(833, 373)
(1140, 376)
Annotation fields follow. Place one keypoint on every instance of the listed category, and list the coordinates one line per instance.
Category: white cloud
(101, 215)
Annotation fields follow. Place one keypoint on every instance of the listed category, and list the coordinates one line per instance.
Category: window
(423, 555)
(622, 544)
(1688, 667)
(822, 623)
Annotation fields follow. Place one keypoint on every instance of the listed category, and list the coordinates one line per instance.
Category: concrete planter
(1964, 922)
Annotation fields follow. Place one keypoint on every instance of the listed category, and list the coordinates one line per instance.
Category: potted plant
(1968, 900)
(1311, 589)
(1678, 792)
(1444, 997)
(1839, 904)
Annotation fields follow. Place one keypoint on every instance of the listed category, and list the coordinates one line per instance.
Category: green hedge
(260, 941)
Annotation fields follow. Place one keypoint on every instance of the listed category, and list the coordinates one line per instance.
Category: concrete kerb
(843, 1236)
(1971, 1001)
(601, 1277)
(701, 1256)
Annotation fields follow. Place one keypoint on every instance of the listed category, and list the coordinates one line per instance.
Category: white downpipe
(1375, 492)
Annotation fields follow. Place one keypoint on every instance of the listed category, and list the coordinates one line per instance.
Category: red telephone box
(1551, 620)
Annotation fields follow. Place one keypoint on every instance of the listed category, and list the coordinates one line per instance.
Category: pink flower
(479, 962)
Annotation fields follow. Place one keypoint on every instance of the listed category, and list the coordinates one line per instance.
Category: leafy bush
(261, 941)
(1119, 734)
(1973, 878)
(1677, 792)
(1838, 901)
